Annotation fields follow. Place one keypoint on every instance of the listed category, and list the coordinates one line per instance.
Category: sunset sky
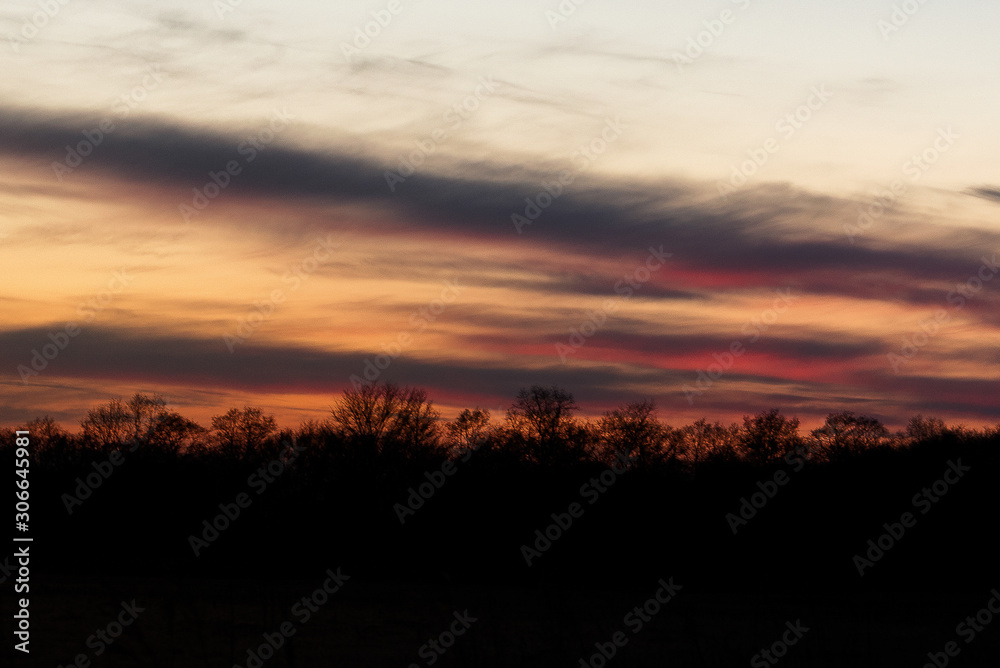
(248, 202)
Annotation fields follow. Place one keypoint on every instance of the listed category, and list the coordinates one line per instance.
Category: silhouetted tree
(52, 443)
(108, 425)
(922, 428)
(468, 431)
(705, 442)
(844, 434)
(45, 430)
(388, 420)
(144, 414)
(142, 420)
(697, 441)
(541, 418)
(768, 436)
(174, 433)
(416, 430)
(241, 432)
(635, 431)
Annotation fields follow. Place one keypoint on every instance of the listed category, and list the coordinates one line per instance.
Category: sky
(724, 207)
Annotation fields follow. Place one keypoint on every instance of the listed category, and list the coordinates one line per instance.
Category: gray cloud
(150, 358)
(759, 237)
(991, 193)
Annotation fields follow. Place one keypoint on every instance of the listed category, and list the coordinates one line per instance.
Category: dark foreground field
(214, 623)
(320, 549)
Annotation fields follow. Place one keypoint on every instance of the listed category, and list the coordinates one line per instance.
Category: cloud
(991, 193)
(771, 235)
(776, 372)
(150, 358)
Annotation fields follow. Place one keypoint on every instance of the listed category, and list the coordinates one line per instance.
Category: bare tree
(174, 433)
(45, 431)
(544, 413)
(543, 418)
(768, 436)
(703, 441)
(387, 419)
(697, 441)
(51, 442)
(416, 431)
(108, 425)
(141, 420)
(241, 432)
(844, 434)
(634, 430)
(922, 428)
(144, 413)
(120, 421)
(468, 431)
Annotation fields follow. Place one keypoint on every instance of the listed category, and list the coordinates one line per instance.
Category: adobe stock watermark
(419, 495)
(624, 288)
(779, 648)
(930, 327)
(60, 340)
(249, 149)
(562, 522)
(223, 7)
(453, 119)
(967, 629)
(901, 15)
(786, 127)
(32, 26)
(103, 638)
(259, 481)
(565, 10)
(435, 480)
(94, 137)
(635, 620)
(583, 159)
(7, 569)
(435, 648)
(768, 489)
(294, 277)
(914, 168)
(303, 610)
(103, 470)
(419, 320)
(923, 501)
(365, 35)
(724, 361)
(701, 42)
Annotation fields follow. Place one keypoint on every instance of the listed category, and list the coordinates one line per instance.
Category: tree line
(144, 479)
(384, 424)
